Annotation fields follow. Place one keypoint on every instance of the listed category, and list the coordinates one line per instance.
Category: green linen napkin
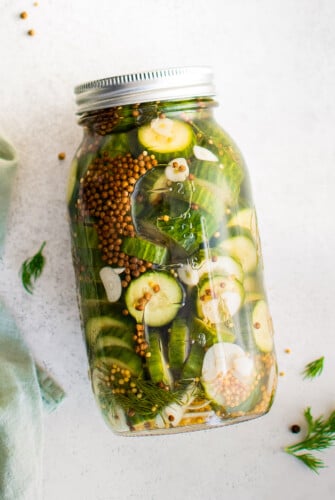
(21, 422)
(8, 164)
(25, 388)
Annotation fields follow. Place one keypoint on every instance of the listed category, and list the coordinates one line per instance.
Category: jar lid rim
(145, 86)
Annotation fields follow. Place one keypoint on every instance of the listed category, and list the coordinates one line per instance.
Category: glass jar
(167, 258)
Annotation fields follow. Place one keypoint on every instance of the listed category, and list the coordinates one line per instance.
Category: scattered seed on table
(31, 32)
(61, 156)
(24, 15)
(295, 429)
(281, 374)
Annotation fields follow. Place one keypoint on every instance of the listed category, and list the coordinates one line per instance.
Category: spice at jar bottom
(167, 258)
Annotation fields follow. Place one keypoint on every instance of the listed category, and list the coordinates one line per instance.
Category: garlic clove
(112, 282)
(204, 154)
(177, 170)
(188, 275)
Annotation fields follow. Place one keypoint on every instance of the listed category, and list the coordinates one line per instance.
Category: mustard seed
(24, 15)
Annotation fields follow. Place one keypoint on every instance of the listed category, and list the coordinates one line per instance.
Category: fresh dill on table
(32, 268)
(320, 436)
(314, 368)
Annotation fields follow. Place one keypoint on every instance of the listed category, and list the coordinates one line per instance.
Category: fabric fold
(21, 422)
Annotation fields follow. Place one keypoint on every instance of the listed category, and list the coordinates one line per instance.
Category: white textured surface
(275, 69)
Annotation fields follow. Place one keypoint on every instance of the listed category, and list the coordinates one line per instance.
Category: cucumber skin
(83, 163)
(97, 326)
(156, 363)
(209, 198)
(123, 357)
(84, 235)
(193, 365)
(145, 250)
(187, 232)
(114, 145)
(178, 343)
(206, 335)
(224, 180)
(244, 329)
(106, 341)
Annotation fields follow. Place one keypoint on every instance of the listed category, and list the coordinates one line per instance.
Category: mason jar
(167, 258)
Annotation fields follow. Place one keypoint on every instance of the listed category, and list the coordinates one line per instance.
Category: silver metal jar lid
(134, 88)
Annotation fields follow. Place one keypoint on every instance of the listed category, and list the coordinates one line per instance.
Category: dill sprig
(314, 368)
(32, 268)
(153, 399)
(148, 400)
(320, 436)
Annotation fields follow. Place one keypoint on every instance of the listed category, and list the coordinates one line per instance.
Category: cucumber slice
(223, 265)
(167, 138)
(225, 180)
(190, 231)
(157, 364)
(262, 326)
(193, 365)
(116, 336)
(219, 298)
(178, 343)
(220, 360)
(209, 197)
(207, 335)
(154, 298)
(245, 218)
(111, 341)
(100, 324)
(122, 357)
(145, 250)
(243, 250)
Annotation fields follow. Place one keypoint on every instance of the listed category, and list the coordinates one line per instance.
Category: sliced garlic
(188, 275)
(162, 126)
(118, 419)
(177, 170)
(173, 413)
(204, 154)
(112, 282)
